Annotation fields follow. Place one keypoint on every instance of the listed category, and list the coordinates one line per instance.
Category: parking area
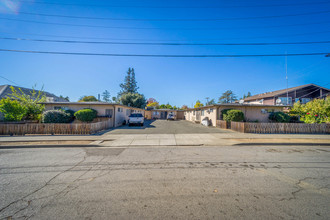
(166, 127)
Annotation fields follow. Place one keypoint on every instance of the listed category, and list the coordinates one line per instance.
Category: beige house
(117, 113)
(163, 113)
(252, 112)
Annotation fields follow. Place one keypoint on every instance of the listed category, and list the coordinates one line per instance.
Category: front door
(198, 115)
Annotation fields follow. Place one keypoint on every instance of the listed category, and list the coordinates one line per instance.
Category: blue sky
(176, 81)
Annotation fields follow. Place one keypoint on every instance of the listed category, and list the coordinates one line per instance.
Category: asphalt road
(234, 182)
(167, 127)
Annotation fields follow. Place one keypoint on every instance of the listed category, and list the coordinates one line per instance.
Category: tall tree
(66, 98)
(227, 97)
(211, 102)
(133, 99)
(130, 84)
(106, 96)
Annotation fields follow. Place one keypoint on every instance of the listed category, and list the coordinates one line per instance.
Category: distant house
(5, 92)
(163, 113)
(304, 94)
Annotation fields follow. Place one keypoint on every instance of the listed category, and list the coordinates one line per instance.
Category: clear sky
(176, 81)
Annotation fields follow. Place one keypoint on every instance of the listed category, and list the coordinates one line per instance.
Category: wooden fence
(281, 128)
(58, 128)
(223, 124)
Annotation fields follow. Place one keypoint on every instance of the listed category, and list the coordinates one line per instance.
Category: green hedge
(234, 115)
(280, 117)
(86, 115)
(55, 116)
(70, 114)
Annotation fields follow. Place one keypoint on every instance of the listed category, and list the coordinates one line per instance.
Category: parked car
(136, 119)
(171, 116)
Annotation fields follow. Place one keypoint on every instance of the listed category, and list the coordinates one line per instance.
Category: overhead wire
(166, 44)
(162, 55)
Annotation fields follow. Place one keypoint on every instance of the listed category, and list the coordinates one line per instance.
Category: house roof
(5, 91)
(279, 92)
(88, 103)
(236, 105)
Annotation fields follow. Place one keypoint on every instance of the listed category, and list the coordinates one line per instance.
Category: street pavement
(166, 182)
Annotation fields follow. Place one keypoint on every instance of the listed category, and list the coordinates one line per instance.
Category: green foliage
(129, 85)
(66, 98)
(184, 107)
(134, 100)
(280, 117)
(315, 111)
(12, 110)
(106, 96)
(55, 116)
(227, 97)
(224, 112)
(70, 115)
(234, 115)
(88, 99)
(198, 104)
(246, 96)
(30, 102)
(211, 102)
(86, 115)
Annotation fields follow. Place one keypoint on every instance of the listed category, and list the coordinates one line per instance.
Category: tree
(30, 102)
(162, 106)
(247, 96)
(211, 102)
(198, 104)
(133, 99)
(88, 99)
(114, 99)
(168, 106)
(66, 98)
(227, 97)
(153, 104)
(106, 96)
(130, 84)
(184, 107)
(12, 110)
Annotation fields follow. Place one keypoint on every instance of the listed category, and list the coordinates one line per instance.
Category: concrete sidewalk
(210, 139)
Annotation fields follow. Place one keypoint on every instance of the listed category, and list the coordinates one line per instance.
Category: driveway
(166, 127)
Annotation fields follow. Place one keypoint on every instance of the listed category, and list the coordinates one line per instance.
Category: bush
(224, 112)
(55, 116)
(12, 110)
(86, 115)
(234, 115)
(279, 117)
(70, 115)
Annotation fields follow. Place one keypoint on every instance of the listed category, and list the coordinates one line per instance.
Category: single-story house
(117, 113)
(5, 92)
(162, 114)
(304, 94)
(252, 112)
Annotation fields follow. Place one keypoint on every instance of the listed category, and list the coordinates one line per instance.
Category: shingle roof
(5, 91)
(278, 92)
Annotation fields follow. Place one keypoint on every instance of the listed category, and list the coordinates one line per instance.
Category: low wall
(281, 128)
(56, 128)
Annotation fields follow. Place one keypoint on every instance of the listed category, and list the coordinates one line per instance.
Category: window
(155, 113)
(108, 112)
(202, 112)
(128, 112)
(284, 100)
(120, 109)
(305, 100)
(296, 100)
(211, 109)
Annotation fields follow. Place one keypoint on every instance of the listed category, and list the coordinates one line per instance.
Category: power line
(173, 19)
(166, 44)
(161, 55)
(173, 7)
(140, 39)
(9, 80)
(154, 28)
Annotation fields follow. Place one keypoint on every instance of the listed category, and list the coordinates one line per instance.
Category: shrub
(70, 115)
(224, 112)
(279, 117)
(12, 110)
(86, 115)
(234, 115)
(55, 116)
